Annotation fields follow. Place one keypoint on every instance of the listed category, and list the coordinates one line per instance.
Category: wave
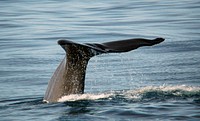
(149, 93)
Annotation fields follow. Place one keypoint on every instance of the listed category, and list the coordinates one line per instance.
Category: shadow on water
(78, 107)
(84, 110)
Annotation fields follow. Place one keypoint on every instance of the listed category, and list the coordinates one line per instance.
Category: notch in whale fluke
(69, 77)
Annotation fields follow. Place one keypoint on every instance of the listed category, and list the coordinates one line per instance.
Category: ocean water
(151, 83)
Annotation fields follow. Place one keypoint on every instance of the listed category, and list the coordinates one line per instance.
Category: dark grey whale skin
(69, 77)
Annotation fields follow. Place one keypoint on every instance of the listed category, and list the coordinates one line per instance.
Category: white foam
(76, 97)
(45, 101)
(166, 88)
(137, 93)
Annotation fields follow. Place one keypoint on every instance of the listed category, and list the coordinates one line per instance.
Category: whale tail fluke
(129, 44)
(69, 77)
(113, 46)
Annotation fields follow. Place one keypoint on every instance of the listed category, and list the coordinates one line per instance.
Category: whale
(69, 77)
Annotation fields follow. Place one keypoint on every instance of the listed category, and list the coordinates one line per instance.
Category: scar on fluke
(69, 77)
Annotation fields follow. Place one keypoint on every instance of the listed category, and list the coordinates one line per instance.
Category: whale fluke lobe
(69, 77)
(130, 44)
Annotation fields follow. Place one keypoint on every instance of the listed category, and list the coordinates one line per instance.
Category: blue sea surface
(161, 82)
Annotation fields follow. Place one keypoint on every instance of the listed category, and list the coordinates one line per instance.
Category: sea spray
(148, 93)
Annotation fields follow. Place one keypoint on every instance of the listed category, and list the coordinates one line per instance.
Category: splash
(76, 97)
(148, 93)
(163, 92)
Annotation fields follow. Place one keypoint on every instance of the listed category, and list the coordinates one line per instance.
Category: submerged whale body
(69, 77)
